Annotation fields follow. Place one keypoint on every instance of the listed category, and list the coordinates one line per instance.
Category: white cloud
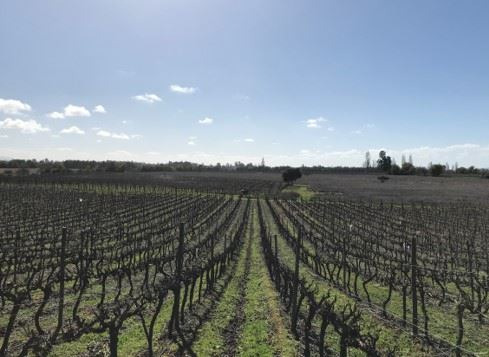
(99, 109)
(3, 136)
(25, 126)
(120, 136)
(314, 122)
(246, 140)
(73, 111)
(206, 121)
(76, 111)
(13, 106)
(183, 90)
(51, 152)
(147, 98)
(120, 155)
(357, 132)
(192, 140)
(72, 130)
(104, 133)
(56, 115)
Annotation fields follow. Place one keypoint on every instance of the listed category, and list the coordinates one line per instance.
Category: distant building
(16, 171)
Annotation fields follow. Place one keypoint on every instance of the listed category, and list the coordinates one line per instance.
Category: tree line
(387, 164)
(384, 164)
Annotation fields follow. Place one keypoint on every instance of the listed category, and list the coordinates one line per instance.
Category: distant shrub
(437, 169)
(485, 174)
(408, 169)
(395, 169)
(422, 171)
(461, 170)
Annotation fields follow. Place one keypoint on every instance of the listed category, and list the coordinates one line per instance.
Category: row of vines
(75, 263)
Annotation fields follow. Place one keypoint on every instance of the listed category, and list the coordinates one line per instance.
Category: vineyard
(102, 268)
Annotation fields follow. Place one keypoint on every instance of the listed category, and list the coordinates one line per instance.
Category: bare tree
(367, 163)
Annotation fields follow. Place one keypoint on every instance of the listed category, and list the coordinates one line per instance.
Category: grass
(131, 340)
(442, 319)
(210, 341)
(264, 331)
(304, 191)
(388, 338)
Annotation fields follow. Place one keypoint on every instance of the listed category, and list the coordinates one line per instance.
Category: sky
(295, 82)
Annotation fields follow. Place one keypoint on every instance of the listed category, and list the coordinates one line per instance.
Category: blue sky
(296, 82)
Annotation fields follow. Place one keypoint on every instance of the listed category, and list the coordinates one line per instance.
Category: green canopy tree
(384, 162)
(290, 175)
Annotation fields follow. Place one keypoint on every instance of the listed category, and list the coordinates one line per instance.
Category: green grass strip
(210, 340)
(388, 338)
(304, 191)
(264, 332)
(131, 339)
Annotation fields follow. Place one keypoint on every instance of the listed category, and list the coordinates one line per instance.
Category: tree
(366, 164)
(395, 169)
(422, 171)
(290, 175)
(461, 170)
(384, 162)
(437, 169)
(408, 169)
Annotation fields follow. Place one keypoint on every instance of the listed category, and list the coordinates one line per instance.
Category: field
(401, 188)
(186, 265)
